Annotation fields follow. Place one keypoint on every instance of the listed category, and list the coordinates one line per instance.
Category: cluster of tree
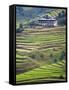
(20, 29)
(53, 58)
(62, 21)
(60, 57)
(61, 18)
(61, 14)
(37, 55)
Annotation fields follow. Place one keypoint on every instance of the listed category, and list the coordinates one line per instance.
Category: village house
(49, 22)
(44, 22)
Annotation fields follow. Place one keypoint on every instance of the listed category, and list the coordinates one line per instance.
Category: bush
(61, 77)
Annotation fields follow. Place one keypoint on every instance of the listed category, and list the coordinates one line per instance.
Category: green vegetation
(52, 13)
(40, 55)
(53, 71)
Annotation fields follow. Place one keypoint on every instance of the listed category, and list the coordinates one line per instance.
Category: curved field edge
(46, 72)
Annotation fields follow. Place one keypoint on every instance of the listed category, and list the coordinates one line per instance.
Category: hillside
(25, 15)
(40, 55)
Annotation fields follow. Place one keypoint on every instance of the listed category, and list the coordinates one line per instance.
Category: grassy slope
(53, 71)
(33, 55)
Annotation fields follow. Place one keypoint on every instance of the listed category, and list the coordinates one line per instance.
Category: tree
(21, 27)
(33, 56)
(55, 60)
(62, 55)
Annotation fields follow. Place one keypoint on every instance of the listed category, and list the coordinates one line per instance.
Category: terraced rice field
(41, 55)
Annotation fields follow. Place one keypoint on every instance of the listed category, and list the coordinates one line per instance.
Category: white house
(49, 22)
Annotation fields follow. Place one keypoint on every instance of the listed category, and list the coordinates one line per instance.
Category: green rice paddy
(40, 55)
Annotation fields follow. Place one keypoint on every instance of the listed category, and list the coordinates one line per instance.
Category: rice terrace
(40, 45)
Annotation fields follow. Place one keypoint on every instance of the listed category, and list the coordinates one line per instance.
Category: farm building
(49, 22)
(45, 22)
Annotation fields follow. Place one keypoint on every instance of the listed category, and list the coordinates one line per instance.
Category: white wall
(4, 45)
